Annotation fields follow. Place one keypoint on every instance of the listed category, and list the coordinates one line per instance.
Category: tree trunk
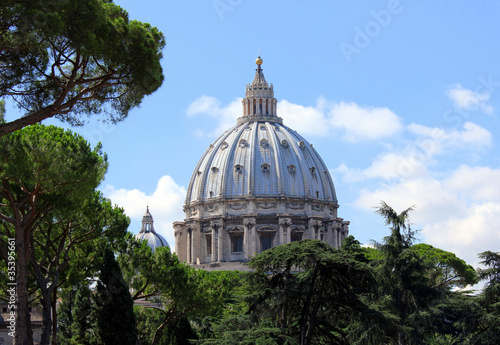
(23, 332)
(46, 318)
(54, 317)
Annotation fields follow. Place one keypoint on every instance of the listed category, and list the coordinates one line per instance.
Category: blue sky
(400, 98)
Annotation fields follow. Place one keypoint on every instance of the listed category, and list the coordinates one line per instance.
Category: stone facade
(259, 185)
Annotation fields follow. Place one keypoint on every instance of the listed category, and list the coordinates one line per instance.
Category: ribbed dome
(259, 185)
(154, 239)
(149, 234)
(260, 159)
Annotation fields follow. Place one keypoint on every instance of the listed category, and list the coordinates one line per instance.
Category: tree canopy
(46, 173)
(69, 58)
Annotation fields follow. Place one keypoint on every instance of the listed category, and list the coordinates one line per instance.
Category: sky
(400, 98)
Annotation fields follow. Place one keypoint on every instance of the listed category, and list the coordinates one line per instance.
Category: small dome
(154, 239)
(148, 233)
(258, 61)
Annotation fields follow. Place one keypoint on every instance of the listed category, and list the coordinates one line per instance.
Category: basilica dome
(260, 184)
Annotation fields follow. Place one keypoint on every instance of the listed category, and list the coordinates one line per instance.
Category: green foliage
(2, 112)
(83, 317)
(56, 165)
(489, 322)
(65, 317)
(46, 173)
(447, 270)
(178, 332)
(300, 293)
(160, 275)
(70, 58)
(115, 321)
(405, 289)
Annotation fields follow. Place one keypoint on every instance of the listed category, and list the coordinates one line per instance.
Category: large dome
(260, 159)
(260, 184)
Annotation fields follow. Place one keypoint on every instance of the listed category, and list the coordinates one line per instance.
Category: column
(284, 230)
(214, 244)
(188, 246)
(218, 225)
(249, 237)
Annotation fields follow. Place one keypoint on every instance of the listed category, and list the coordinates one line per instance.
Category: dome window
(263, 128)
(284, 143)
(215, 170)
(264, 143)
(313, 170)
(211, 194)
(224, 146)
(265, 167)
(238, 168)
(301, 144)
(291, 168)
(243, 143)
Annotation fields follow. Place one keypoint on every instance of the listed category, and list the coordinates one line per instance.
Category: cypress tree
(116, 322)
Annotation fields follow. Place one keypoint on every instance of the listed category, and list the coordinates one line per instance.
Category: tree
(42, 169)
(71, 58)
(2, 112)
(116, 322)
(82, 317)
(62, 245)
(447, 270)
(181, 290)
(302, 293)
(406, 290)
(489, 322)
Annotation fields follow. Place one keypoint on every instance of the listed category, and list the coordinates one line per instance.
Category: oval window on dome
(264, 143)
(301, 144)
(284, 143)
(291, 168)
(224, 145)
(215, 169)
(243, 143)
(265, 167)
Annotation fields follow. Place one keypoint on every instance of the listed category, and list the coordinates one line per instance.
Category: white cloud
(165, 205)
(475, 183)
(325, 118)
(368, 123)
(310, 120)
(459, 213)
(471, 134)
(225, 115)
(469, 234)
(469, 100)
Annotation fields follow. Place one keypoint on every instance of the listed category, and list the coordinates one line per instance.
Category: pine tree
(82, 316)
(116, 322)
